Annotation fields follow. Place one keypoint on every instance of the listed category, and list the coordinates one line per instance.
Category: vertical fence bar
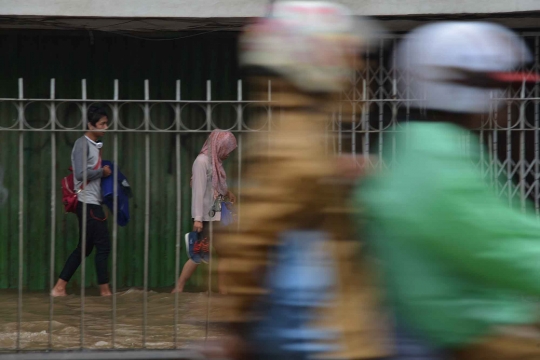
(178, 207)
(495, 147)
(21, 212)
(381, 105)
(365, 120)
(522, 159)
(408, 95)
(490, 157)
(147, 208)
(52, 110)
(240, 126)
(536, 130)
(394, 116)
(115, 214)
(239, 112)
(209, 295)
(239, 194)
(491, 144)
(353, 114)
(522, 149)
(509, 184)
(84, 212)
(209, 106)
(209, 122)
(367, 107)
(394, 103)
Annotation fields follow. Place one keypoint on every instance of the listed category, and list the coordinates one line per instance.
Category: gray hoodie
(84, 147)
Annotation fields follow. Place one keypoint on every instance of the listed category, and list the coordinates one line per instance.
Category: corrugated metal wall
(70, 57)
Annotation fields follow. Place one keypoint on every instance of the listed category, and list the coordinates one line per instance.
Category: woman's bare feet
(59, 289)
(104, 290)
(177, 290)
(58, 292)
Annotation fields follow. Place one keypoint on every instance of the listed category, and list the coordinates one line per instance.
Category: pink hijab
(217, 147)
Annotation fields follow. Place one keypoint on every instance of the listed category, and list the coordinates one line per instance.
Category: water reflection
(66, 331)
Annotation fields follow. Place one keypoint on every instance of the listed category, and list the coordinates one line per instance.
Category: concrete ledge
(248, 8)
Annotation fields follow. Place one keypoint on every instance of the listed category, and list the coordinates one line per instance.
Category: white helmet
(309, 43)
(435, 59)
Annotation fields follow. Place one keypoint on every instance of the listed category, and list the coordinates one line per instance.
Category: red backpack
(69, 195)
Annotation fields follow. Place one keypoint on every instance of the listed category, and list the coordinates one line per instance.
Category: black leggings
(97, 234)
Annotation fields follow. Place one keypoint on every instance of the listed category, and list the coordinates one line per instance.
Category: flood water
(66, 321)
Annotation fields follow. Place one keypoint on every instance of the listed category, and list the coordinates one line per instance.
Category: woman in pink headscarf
(208, 184)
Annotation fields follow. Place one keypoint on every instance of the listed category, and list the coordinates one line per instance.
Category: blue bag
(227, 217)
(124, 193)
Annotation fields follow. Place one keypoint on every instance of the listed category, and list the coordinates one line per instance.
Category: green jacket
(456, 259)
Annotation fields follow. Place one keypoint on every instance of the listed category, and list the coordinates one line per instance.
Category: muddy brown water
(98, 311)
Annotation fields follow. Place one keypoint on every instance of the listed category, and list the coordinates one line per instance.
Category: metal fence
(510, 160)
(508, 136)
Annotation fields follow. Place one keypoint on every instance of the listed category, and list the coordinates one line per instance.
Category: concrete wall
(248, 8)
